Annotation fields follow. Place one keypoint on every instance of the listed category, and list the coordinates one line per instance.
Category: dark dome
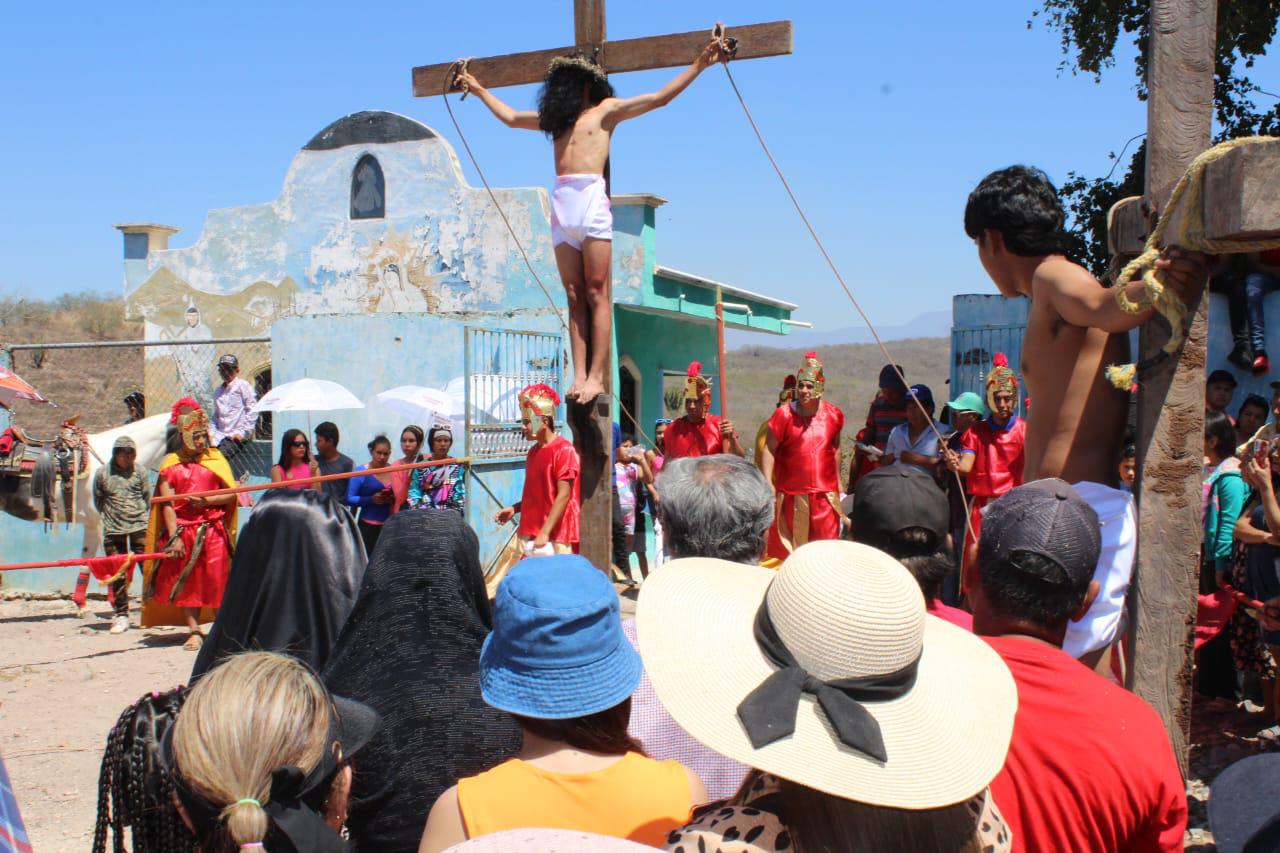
(368, 127)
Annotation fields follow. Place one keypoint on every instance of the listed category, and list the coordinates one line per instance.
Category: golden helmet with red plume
(696, 386)
(811, 371)
(191, 422)
(1001, 379)
(538, 401)
(788, 392)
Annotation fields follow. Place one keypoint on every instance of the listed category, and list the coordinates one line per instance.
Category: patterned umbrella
(14, 387)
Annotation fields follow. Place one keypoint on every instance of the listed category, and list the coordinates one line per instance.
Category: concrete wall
(368, 355)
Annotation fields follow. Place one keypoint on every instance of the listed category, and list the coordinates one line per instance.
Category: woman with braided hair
(578, 111)
(135, 791)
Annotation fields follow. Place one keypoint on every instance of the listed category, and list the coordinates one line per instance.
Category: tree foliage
(1090, 30)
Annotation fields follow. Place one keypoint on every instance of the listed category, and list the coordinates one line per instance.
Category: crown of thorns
(577, 63)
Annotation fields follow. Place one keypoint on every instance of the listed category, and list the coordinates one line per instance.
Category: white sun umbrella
(424, 405)
(307, 395)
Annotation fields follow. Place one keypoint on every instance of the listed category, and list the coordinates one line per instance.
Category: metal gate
(499, 364)
(972, 349)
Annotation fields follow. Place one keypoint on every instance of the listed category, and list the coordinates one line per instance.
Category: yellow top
(636, 798)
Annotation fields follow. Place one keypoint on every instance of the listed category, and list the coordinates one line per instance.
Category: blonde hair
(251, 714)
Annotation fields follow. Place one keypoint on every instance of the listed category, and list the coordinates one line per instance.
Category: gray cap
(1047, 518)
(229, 360)
(124, 443)
(891, 499)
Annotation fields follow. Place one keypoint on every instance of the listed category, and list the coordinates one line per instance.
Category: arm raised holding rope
(505, 113)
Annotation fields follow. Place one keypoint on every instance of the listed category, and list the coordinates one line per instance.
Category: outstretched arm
(1081, 300)
(624, 108)
(506, 114)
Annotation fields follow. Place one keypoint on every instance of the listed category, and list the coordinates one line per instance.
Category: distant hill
(91, 383)
(932, 324)
(755, 375)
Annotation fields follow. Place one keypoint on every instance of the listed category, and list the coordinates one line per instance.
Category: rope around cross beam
(1188, 197)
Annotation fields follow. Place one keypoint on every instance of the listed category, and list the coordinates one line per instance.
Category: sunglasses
(299, 444)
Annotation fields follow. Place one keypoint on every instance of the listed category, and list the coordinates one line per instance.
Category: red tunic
(208, 578)
(997, 467)
(544, 468)
(685, 438)
(806, 464)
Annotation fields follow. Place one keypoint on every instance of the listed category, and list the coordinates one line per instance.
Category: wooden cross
(1240, 201)
(592, 425)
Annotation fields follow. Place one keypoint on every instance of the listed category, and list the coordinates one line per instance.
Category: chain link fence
(98, 382)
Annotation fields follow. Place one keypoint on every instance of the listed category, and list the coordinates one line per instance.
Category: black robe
(294, 578)
(411, 651)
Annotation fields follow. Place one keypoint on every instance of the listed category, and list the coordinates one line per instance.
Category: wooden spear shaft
(724, 389)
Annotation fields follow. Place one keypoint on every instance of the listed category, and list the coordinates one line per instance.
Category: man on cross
(1076, 420)
(578, 111)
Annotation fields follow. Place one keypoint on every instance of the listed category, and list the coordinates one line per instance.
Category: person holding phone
(370, 494)
(629, 468)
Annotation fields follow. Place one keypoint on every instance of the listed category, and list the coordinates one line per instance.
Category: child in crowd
(1128, 468)
(916, 441)
(630, 471)
(549, 508)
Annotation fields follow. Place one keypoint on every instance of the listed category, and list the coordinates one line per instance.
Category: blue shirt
(926, 444)
(360, 492)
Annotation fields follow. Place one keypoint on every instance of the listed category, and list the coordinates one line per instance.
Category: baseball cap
(1221, 376)
(890, 500)
(921, 393)
(124, 443)
(229, 360)
(1275, 384)
(890, 377)
(1242, 805)
(969, 402)
(1047, 518)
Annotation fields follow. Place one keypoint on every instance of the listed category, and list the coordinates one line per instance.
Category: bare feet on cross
(587, 392)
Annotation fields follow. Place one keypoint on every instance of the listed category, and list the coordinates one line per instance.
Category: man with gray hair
(710, 506)
(715, 506)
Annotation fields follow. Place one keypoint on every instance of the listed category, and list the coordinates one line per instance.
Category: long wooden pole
(323, 478)
(1171, 394)
(724, 388)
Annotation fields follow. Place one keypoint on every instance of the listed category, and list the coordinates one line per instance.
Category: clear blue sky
(884, 118)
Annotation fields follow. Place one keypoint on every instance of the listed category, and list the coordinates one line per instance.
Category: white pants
(1119, 519)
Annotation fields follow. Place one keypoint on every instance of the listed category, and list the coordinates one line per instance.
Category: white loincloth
(580, 209)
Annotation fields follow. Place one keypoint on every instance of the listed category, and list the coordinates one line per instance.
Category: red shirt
(544, 468)
(947, 613)
(685, 438)
(999, 460)
(1089, 766)
(807, 460)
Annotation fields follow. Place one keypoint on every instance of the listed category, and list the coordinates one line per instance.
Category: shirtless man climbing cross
(577, 109)
(1076, 418)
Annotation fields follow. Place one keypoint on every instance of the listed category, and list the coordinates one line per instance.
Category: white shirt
(231, 405)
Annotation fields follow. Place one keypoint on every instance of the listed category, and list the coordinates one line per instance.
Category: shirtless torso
(585, 149)
(1076, 418)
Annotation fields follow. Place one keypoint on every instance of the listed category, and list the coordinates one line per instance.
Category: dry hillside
(755, 375)
(91, 383)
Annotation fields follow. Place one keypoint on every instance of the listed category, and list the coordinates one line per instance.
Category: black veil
(411, 651)
(294, 578)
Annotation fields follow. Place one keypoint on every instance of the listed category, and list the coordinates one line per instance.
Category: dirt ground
(63, 682)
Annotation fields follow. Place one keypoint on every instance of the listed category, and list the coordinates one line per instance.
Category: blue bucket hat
(557, 650)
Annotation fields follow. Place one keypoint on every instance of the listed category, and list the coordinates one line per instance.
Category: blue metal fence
(499, 364)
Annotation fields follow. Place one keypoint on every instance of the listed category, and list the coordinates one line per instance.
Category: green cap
(969, 402)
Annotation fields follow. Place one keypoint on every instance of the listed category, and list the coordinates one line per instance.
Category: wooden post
(724, 389)
(1171, 394)
(592, 424)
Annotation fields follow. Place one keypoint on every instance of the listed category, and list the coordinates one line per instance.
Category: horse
(149, 436)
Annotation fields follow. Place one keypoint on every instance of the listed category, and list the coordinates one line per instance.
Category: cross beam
(638, 54)
(592, 430)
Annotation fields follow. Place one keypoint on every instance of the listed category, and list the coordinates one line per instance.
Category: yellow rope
(1188, 197)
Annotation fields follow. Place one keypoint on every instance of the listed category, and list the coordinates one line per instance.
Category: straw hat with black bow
(828, 673)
